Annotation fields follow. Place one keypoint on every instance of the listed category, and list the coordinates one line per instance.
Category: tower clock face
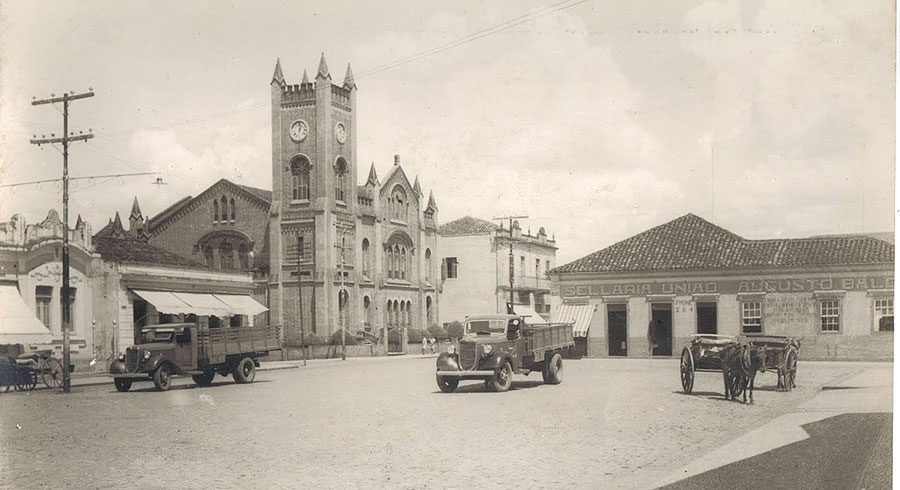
(340, 132)
(299, 130)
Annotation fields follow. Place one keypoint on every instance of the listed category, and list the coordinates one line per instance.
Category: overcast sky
(769, 118)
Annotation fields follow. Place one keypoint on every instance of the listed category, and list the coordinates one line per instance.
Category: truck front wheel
(552, 371)
(162, 378)
(502, 379)
(447, 384)
(245, 371)
(122, 384)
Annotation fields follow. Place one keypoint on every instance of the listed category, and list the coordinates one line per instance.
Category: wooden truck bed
(218, 343)
(540, 338)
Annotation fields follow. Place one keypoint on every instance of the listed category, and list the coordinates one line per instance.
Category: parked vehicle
(21, 370)
(494, 347)
(179, 349)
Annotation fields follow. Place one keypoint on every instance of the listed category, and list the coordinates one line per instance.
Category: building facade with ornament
(324, 251)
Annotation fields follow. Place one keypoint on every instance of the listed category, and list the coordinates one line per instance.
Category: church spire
(432, 206)
(305, 78)
(79, 222)
(136, 210)
(349, 83)
(278, 76)
(417, 187)
(323, 68)
(373, 177)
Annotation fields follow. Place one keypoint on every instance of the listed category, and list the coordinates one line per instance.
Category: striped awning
(202, 303)
(18, 324)
(579, 315)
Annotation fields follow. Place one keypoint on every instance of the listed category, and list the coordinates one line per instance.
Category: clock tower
(313, 200)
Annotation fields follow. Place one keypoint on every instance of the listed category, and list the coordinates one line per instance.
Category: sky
(597, 119)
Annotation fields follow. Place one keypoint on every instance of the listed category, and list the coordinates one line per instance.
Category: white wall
(474, 290)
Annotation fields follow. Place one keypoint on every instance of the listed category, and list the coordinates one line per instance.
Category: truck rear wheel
(552, 371)
(245, 371)
(162, 378)
(447, 384)
(502, 379)
(122, 384)
(204, 379)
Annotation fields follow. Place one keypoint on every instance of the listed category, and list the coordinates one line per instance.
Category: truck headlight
(146, 354)
(121, 356)
(488, 349)
(451, 350)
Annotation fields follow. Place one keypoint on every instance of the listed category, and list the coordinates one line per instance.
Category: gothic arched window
(367, 311)
(243, 257)
(398, 204)
(404, 265)
(428, 264)
(429, 311)
(366, 258)
(340, 179)
(215, 210)
(233, 212)
(300, 177)
(226, 256)
(224, 209)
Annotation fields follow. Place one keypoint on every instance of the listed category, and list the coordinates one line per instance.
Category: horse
(740, 363)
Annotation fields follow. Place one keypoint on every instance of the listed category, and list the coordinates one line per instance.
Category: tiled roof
(117, 245)
(467, 225)
(690, 242)
(132, 250)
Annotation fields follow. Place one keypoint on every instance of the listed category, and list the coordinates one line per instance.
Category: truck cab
(494, 347)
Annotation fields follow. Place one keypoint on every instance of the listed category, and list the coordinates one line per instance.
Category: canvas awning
(202, 303)
(579, 315)
(18, 324)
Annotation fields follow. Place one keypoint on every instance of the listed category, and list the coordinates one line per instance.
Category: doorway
(660, 330)
(707, 316)
(617, 321)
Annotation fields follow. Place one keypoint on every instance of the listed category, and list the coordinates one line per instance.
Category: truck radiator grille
(467, 351)
(132, 359)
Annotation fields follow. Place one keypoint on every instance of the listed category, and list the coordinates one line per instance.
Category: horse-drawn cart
(702, 354)
(781, 356)
(23, 371)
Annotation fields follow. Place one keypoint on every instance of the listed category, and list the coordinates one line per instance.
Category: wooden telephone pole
(66, 138)
(512, 259)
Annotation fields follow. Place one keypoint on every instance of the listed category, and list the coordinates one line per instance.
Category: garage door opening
(660, 331)
(707, 320)
(617, 319)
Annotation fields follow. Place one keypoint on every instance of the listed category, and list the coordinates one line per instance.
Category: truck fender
(156, 361)
(117, 367)
(448, 362)
(494, 361)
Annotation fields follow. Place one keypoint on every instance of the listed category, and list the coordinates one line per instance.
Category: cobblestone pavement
(383, 423)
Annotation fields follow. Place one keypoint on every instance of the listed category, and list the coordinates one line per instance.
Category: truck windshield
(486, 326)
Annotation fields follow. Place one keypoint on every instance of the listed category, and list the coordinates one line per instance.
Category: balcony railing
(526, 282)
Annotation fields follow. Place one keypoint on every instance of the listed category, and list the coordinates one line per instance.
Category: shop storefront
(653, 291)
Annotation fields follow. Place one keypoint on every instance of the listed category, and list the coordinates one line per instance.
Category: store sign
(787, 285)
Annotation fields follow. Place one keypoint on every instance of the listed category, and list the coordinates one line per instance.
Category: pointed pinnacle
(135, 209)
(305, 78)
(323, 68)
(348, 79)
(417, 187)
(373, 177)
(278, 76)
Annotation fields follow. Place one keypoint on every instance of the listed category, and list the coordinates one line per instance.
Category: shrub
(349, 338)
(455, 330)
(436, 331)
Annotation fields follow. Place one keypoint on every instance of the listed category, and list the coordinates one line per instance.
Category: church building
(324, 251)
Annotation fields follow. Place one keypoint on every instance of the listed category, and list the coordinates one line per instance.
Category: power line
(19, 184)
(482, 33)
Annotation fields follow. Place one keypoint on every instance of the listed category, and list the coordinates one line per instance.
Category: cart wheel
(27, 380)
(51, 372)
(737, 387)
(791, 371)
(687, 371)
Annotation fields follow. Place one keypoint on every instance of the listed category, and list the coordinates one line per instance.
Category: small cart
(701, 354)
(21, 371)
(781, 356)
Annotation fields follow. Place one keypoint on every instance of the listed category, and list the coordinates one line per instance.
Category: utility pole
(300, 296)
(512, 259)
(65, 139)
